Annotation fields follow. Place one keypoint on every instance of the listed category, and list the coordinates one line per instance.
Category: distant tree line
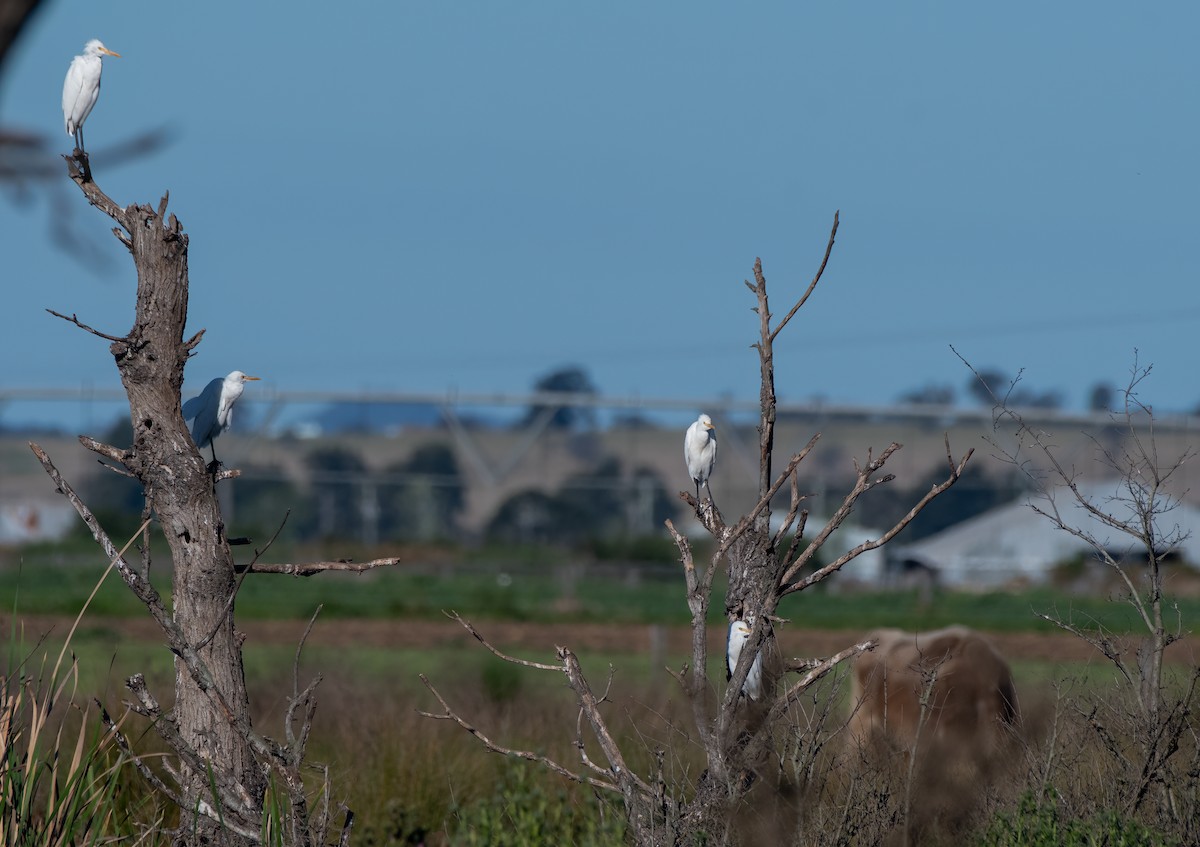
(993, 384)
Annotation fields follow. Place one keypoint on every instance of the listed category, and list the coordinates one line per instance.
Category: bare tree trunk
(181, 492)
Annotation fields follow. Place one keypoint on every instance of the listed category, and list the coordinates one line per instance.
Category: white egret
(739, 631)
(82, 87)
(700, 452)
(213, 408)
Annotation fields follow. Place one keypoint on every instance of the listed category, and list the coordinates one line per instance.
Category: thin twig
(812, 285)
(107, 450)
(313, 568)
(75, 320)
(450, 715)
(455, 616)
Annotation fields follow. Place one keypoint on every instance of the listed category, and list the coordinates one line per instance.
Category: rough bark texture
(181, 492)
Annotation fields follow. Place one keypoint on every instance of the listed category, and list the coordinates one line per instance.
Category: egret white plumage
(739, 631)
(700, 452)
(82, 87)
(213, 408)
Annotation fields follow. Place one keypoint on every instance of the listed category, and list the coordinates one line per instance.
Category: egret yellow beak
(248, 378)
(108, 52)
(709, 426)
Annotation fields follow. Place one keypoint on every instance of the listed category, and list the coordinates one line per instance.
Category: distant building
(1014, 544)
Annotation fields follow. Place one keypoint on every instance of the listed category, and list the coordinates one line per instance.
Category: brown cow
(971, 702)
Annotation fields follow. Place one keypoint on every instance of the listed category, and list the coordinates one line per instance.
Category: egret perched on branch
(700, 452)
(213, 408)
(82, 87)
(739, 631)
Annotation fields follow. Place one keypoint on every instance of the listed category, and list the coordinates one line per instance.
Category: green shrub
(530, 806)
(1041, 824)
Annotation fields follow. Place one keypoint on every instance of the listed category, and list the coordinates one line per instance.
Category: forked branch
(864, 483)
(635, 791)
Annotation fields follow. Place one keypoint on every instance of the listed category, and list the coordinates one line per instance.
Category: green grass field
(517, 591)
(408, 776)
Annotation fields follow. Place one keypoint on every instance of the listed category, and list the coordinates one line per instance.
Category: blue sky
(464, 196)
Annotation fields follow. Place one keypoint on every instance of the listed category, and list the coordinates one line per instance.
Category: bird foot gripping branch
(80, 158)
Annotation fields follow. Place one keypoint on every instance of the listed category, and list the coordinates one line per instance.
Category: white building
(1013, 543)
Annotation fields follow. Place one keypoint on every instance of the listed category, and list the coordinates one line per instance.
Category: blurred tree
(534, 517)
(261, 497)
(929, 395)
(649, 503)
(599, 504)
(567, 380)
(421, 497)
(596, 498)
(988, 385)
(1101, 397)
(1051, 399)
(341, 494)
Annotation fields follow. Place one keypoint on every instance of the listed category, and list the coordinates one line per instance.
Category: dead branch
(812, 285)
(75, 320)
(455, 616)
(141, 588)
(231, 795)
(106, 450)
(793, 512)
(313, 568)
(764, 502)
(699, 590)
(298, 697)
(98, 198)
(112, 728)
(816, 668)
(450, 715)
(1099, 641)
(862, 484)
(633, 789)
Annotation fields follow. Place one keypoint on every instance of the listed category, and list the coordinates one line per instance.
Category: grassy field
(410, 778)
(38, 583)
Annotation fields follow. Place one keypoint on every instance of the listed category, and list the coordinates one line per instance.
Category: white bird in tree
(739, 631)
(82, 87)
(213, 408)
(700, 452)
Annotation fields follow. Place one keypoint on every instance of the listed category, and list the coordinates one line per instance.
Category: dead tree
(1130, 532)
(734, 731)
(223, 764)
